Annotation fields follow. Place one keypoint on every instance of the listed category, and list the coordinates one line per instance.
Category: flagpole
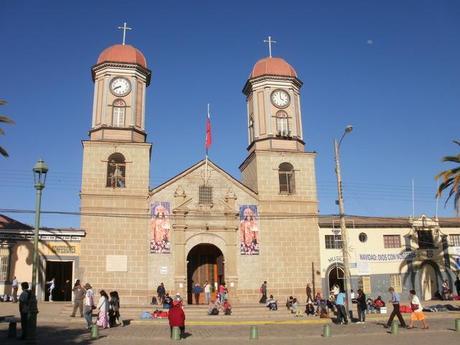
(206, 167)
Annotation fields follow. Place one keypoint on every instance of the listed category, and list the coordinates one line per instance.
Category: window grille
(4, 260)
(454, 240)
(205, 195)
(392, 241)
(118, 115)
(333, 241)
(395, 281)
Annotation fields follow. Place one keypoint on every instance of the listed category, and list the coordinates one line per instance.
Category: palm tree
(4, 119)
(451, 180)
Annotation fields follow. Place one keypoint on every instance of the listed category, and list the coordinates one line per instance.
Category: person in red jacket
(176, 318)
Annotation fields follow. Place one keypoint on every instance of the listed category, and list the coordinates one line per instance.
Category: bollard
(175, 335)
(394, 328)
(94, 331)
(457, 325)
(326, 331)
(254, 333)
(12, 329)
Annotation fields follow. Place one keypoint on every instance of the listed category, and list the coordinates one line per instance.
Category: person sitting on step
(272, 303)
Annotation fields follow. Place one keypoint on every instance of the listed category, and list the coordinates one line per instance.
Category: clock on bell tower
(120, 80)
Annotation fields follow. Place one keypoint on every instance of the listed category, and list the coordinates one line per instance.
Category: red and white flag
(208, 139)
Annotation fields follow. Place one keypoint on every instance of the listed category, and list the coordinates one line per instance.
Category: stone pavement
(57, 328)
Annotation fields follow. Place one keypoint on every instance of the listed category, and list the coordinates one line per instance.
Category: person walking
(176, 317)
(207, 292)
(114, 309)
(15, 287)
(52, 284)
(263, 291)
(417, 311)
(103, 307)
(78, 296)
(89, 305)
(341, 312)
(395, 300)
(24, 308)
(457, 285)
(309, 294)
(361, 304)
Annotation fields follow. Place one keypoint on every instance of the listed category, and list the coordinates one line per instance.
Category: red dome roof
(273, 66)
(122, 53)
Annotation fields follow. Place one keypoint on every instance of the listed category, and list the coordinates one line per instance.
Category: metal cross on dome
(269, 41)
(124, 28)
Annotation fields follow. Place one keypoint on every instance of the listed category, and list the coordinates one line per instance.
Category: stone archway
(335, 275)
(205, 262)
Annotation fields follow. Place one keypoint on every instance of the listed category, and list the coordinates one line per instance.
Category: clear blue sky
(389, 68)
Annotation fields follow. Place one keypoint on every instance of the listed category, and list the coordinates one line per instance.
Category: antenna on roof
(413, 199)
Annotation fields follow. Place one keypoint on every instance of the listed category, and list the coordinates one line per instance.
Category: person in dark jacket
(176, 318)
(362, 306)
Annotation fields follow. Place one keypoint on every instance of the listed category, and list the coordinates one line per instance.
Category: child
(417, 311)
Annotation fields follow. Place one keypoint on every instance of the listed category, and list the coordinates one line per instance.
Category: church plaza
(55, 326)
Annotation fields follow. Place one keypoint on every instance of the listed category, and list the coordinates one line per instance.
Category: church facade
(203, 224)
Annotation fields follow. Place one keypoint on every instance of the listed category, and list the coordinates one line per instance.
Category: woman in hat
(176, 318)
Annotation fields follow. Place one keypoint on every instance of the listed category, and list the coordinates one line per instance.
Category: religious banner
(160, 227)
(249, 230)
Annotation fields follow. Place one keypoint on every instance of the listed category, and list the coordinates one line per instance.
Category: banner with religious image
(249, 230)
(160, 227)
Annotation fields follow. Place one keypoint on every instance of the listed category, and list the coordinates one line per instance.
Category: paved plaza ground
(57, 328)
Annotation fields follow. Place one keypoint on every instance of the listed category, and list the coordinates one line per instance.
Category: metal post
(38, 200)
(40, 169)
(35, 264)
(343, 227)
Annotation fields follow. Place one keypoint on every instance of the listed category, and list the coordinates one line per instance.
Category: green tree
(451, 180)
(4, 119)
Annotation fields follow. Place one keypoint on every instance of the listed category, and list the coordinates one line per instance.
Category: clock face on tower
(120, 86)
(280, 98)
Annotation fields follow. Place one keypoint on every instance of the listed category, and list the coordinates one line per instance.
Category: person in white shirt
(207, 292)
(417, 311)
(89, 305)
(15, 286)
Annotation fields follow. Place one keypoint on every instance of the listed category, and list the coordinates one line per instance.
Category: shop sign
(387, 257)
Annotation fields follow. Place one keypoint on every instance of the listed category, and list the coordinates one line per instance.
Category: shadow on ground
(54, 334)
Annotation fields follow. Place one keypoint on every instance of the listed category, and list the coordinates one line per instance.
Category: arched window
(116, 171)
(286, 177)
(251, 129)
(282, 124)
(118, 113)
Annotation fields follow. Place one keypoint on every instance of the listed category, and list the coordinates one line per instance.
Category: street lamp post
(343, 227)
(40, 170)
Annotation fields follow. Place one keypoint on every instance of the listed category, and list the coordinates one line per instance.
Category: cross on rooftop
(269, 41)
(124, 28)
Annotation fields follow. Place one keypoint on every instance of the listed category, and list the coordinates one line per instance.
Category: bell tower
(115, 176)
(283, 174)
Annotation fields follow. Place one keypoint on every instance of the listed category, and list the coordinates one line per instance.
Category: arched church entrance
(205, 262)
(335, 276)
